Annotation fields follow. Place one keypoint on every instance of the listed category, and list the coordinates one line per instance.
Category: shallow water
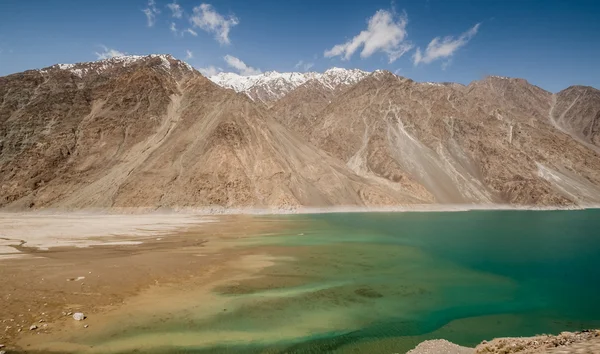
(383, 282)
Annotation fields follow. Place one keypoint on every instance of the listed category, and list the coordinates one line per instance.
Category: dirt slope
(152, 132)
(150, 136)
(489, 142)
(576, 110)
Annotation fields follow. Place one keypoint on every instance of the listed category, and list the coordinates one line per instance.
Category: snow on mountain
(97, 67)
(271, 86)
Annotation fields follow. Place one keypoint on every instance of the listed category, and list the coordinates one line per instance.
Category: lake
(383, 282)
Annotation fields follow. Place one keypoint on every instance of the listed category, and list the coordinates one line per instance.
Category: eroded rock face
(152, 132)
(490, 142)
(148, 134)
(576, 110)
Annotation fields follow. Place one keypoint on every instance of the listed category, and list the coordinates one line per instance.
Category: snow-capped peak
(272, 85)
(100, 66)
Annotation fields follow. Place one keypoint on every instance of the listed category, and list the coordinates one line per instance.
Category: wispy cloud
(240, 66)
(188, 54)
(210, 71)
(386, 32)
(173, 28)
(151, 11)
(108, 53)
(445, 47)
(190, 31)
(301, 65)
(176, 9)
(209, 20)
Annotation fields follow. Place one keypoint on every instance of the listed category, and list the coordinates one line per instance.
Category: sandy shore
(42, 231)
(53, 265)
(207, 211)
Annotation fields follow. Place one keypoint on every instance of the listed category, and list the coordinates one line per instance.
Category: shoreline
(209, 211)
(41, 287)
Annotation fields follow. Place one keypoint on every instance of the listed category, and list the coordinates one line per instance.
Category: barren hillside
(489, 142)
(153, 132)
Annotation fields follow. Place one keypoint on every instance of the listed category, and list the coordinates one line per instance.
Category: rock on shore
(585, 342)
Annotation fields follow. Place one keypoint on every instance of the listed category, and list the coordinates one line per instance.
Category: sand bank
(47, 230)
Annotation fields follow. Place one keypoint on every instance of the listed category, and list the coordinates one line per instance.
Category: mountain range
(151, 131)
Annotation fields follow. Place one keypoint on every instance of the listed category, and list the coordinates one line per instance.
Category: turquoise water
(383, 282)
(516, 273)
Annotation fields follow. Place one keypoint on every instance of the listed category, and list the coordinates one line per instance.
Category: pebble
(2, 351)
(1, 346)
(33, 327)
(78, 316)
(86, 326)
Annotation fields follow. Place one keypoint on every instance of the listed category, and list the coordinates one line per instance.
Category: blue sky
(553, 44)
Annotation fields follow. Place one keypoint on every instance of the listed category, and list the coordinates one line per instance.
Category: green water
(383, 282)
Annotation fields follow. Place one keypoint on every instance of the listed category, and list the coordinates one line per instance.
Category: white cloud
(108, 53)
(151, 11)
(210, 71)
(240, 66)
(444, 47)
(303, 66)
(176, 9)
(173, 28)
(190, 31)
(386, 32)
(188, 54)
(206, 18)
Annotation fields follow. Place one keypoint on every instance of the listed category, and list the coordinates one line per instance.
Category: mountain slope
(150, 135)
(576, 110)
(152, 132)
(489, 142)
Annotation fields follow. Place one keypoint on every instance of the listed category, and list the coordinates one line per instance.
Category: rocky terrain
(576, 110)
(585, 342)
(153, 132)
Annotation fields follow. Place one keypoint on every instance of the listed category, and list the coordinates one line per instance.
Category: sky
(552, 44)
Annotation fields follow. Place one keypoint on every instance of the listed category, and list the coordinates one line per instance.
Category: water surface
(383, 282)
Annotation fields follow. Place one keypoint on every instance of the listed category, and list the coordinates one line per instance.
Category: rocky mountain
(150, 131)
(272, 86)
(490, 142)
(576, 110)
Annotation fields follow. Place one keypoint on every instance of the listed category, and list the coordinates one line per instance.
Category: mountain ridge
(271, 86)
(152, 132)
